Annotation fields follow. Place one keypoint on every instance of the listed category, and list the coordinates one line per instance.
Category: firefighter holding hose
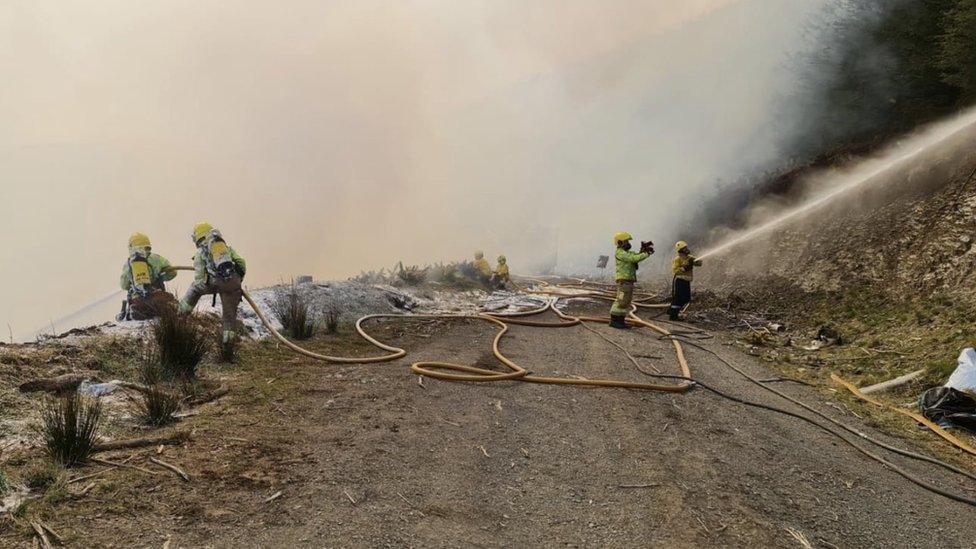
(501, 275)
(683, 267)
(218, 270)
(626, 275)
(144, 278)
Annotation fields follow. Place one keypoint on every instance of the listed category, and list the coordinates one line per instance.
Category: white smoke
(326, 137)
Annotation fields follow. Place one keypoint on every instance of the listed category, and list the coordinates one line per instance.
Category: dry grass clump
(180, 345)
(293, 310)
(70, 428)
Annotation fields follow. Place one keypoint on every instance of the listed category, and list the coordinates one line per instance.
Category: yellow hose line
(917, 417)
(446, 370)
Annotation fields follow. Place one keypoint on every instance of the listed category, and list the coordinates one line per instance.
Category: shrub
(40, 475)
(157, 406)
(180, 345)
(330, 317)
(4, 483)
(70, 428)
(292, 309)
(413, 275)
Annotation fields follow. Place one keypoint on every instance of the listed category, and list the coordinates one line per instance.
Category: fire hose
(448, 371)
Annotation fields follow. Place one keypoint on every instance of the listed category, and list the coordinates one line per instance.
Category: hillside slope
(912, 232)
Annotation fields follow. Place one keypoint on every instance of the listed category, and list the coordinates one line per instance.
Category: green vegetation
(887, 66)
(180, 345)
(157, 406)
(292, 309)
(70, 428)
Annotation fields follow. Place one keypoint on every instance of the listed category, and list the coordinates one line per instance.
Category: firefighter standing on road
(218, 270)
(144, 278)
(683, 267)
(626, 276)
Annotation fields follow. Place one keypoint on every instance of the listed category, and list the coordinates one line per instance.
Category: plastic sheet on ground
(964, 377)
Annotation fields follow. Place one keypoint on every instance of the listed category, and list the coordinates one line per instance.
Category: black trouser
(680, 296)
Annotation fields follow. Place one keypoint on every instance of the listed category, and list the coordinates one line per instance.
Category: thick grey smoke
(326, 137)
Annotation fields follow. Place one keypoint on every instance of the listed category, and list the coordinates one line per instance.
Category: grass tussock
(70, 428)
(293, 310)
(180, 345)
(157, 406)
(330, 317)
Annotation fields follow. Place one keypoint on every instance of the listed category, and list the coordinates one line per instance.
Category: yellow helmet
(479, 255)
(139, 240)
(501, 259)
(201, 230)
(621, 237)
(680, 245)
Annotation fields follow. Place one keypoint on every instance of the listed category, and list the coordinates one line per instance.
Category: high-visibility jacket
(483, 266)
(683, 266)
(501, 271)
(157, 272)
(200, 271)
(627, 263)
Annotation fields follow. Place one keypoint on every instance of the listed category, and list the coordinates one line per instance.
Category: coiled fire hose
(445, 371)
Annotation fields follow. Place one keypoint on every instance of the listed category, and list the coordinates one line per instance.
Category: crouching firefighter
(501, 275)
(627, 262)
(144, 278)
(683, 268)
(218, 270)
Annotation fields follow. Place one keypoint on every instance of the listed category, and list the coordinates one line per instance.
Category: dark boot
(673, 313)
(618, 321)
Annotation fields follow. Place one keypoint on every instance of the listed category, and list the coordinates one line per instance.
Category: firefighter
(144, 277)
(501, 275)
(481, 265)
(683, 268)
(219, 270)
(626, 275)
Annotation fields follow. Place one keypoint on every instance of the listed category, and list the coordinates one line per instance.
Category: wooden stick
(892, 383)
(275, 496)
(57, 539)
(171, 467)
(346, 492)
(45, 543)
(171, 440)
(86, 477)
(119, 464)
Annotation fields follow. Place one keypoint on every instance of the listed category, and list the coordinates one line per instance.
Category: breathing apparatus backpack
(141, 272)
(220, 262)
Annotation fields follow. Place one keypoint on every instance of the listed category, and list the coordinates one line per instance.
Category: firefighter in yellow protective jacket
(218, 270)
(144, 277)
(683, 268)
(501, 276)
(626, 275)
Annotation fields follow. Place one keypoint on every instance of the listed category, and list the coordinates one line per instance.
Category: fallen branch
(171, 440)
(346, 492)
(172, 468)
(119, 464)
(42, 535)
(60, 384)
(892, 383)
(275, 496)
(57, 538)
(86, 477)
(208, 397)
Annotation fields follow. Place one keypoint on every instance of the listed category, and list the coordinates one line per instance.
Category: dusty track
(414, 460)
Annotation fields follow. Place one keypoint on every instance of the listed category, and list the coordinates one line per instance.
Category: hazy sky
(327, 137)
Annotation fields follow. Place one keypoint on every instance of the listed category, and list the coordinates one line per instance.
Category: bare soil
(366, 456)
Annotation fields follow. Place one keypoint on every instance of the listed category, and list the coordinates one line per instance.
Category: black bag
(945, 405)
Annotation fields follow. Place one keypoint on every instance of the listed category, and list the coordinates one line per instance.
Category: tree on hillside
(957, 56)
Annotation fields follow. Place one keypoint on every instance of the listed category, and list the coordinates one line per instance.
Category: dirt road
(365, 456)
